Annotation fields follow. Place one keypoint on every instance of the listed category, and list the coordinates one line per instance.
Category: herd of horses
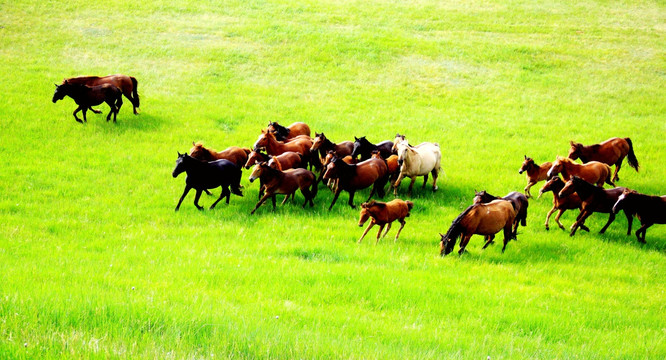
(285, 160)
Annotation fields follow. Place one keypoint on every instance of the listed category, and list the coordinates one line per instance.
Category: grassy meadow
(95, 263)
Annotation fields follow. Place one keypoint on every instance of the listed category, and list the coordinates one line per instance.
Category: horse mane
(247, 150)
(456, 228)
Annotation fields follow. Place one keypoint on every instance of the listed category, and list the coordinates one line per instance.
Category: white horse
(419, 160)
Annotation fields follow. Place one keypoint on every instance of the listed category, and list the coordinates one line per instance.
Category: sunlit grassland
(95, 263)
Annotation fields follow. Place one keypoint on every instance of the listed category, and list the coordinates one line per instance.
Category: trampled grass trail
(94, 262)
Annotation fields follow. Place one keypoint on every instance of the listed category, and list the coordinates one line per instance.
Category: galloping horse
(562, 204)
(203, 175)
(417, 161)
(535, 173)
(235, 154)
(284, 133)
(594, 199)
(323, 145)
(364, 148)
(482, 219)
(284, 161)
(610, 152)
(593, 172)
(86, 97)
(649, 209)
(518, 200)
(384, 214)
(126, 84)
(357, 176)
(273, 147)
(284, 182)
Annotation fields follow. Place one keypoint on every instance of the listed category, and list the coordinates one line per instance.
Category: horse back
(367, 172)
(607, 152)
(490, 218)
(603, 199)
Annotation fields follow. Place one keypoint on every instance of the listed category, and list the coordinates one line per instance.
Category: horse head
(574, 152)
(332, 168)
(446, 244)
(403, 149)
(258, 169)
(556, 168)
(479, 197)
(180, 165)
(359, 146)
(60, 92)
(527, 164)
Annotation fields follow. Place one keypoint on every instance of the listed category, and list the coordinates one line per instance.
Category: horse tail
(633, 162)
(135, 93)
(609, 176)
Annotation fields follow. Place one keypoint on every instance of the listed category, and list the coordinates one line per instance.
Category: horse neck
(192, 165)
(345, 171)
(269, 175)
(272, 145)
(585, 189)
(556, 187)
(533, 169)
(326, 145)
(567, 167)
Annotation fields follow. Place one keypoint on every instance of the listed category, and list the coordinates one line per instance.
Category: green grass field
(94, 262)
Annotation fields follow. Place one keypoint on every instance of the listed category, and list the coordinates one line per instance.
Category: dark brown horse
(322, 145)
(482, 219)
(235, 154)
(284, 133)
(562, 204)
(357, 176)
(126, 84)
(593, 172)
(649, 209)
(610, 152)
(364, 148)
(518, 200)
(594, 199)
(383, 214)
(534, 173)
(284, 182)
(86, 97)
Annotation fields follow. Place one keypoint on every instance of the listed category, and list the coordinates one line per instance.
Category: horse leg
(335, 198)
(388, 227)
(75, 117)
(642, 229)
(507, 236)
(411, 185)
(618, 165)
(527, 188)
(95, 111)
(187, 189)
(402, 225)
(119, 104)
(112, 110)
(84, 111)
(379, 233)
(196, 199)
(261, 201)
(273, 199)
(463, 243)
(351, 198)
(557, 218)
(434, 180)
(579, 221)
(397, 183)
(286, 198)
(372, 223)
(548, 217)
(489, 240)
(630, 220)
(223, 193)
(425, 180)
(307, 194)
(228, 192)
(611, 217)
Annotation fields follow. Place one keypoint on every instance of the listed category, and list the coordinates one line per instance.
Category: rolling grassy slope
(94, 263)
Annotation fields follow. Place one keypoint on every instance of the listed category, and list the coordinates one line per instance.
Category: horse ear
(355, 138)
(571, 142)
(525, 157)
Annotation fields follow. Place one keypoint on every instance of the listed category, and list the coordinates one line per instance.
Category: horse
(417, 161)
(333, 183)
(85, 97)
(283, 133)
(357, 176)
(323, 145)
(235, 154)
(593, 172)
(649, 209)
(482, 219)
(392, 165)
(398, 139)
(518, 200)
(594, 199)
(562, 204)
(610, 152)
(126, 84)
(284, 161)
(364, 148)
(384, 213)
(535, 173)
(203, 175)
(273, 147)
(284, 182)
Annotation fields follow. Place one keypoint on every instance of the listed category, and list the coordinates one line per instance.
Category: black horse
(649, 209)
(203, 175)
(87, 97)
(364, 148)
(518, 200)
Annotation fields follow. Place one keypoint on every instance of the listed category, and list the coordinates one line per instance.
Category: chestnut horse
(384, 214)
(364, 148)
(535, 173)
(610, 152)
(284, 133)
(593, 172)
(126, 84)
(203, 175)
(518, 200)
(594, 199)
(562, 204)
(323, 145)
(650, 210)
(86, 96)
(357, 176)
(416, 161)
(273, 147)
(284, 182)
(284, 161)
(482, 219)
(235, 154)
